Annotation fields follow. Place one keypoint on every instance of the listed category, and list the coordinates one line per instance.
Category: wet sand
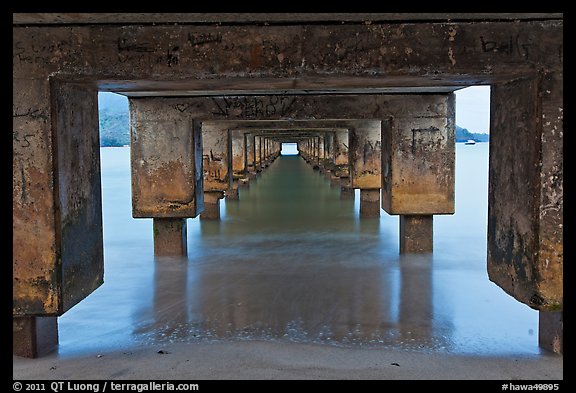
(268, 360)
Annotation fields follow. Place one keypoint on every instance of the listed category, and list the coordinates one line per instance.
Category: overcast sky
(473, 108)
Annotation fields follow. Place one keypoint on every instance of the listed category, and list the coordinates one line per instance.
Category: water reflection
(292, 261)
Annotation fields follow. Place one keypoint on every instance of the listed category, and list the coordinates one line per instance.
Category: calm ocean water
(291, 261)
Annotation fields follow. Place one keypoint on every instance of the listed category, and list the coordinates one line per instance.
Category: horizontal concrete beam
(423, 54)
(261, 18)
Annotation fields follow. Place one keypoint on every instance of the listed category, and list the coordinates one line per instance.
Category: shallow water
(292, 261)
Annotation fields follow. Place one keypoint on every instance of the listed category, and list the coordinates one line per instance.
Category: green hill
(114, 128)
(462, 135)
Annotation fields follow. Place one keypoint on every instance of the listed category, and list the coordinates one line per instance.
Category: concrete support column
(34, 337)
(57, 253)
(370, 203)
(170, 236)
(418, 167)
(551, 331)
(232, 193)
(416, 233)
(211, 205)
(525, 197)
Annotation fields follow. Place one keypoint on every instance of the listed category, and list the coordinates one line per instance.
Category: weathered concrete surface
(418, 157)
(212, 205)
(321, 147)
(57, 219)
(258, 153)
(369, 203)
(35, 264)
(165, 155)
(416, 233)
(34, 337)
(216, 155)
(170, 236)
(238, 153)
(525, 198)
(551, 330)
(75, 119)
(232, 194)
(365, 154)
(430, 53)
(250, 151)
(303, 18)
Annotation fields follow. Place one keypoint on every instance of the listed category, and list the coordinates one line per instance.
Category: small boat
(470, 142)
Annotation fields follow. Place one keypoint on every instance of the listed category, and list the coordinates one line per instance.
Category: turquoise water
(292, 261)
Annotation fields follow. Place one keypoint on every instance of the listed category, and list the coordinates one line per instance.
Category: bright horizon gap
(473, 109)
(289, 149)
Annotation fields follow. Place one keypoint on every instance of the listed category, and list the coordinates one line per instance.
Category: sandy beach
(284, 360)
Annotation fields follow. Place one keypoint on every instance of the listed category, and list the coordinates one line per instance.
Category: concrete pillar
(369, 203)
(551, 331)
(258, 153)
(232, 193)
(217, 156)
(166, 164)
(365, 154)
(525, 193)
(238, 151)
(57, 237)
(416, 233)
(250, 141)
(34, 337)
(211, 205)
(170, 236)
(418, 167)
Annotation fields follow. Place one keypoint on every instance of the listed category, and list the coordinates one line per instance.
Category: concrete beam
(323, 56)
(165, 155)
(303, 18)
(525, 192)
(170, 237)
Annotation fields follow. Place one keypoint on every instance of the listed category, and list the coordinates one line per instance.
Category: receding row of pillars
(416, 230)
(170, 234)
